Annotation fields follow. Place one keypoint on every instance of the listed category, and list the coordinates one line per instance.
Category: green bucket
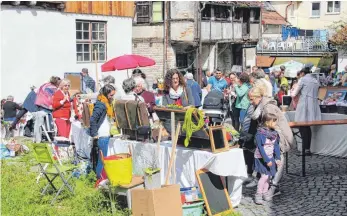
(194, 209)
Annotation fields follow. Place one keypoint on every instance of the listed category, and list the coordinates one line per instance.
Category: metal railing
(300, 45)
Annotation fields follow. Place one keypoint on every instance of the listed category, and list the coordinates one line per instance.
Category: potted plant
(152, 173)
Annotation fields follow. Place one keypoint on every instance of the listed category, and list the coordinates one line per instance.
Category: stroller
(215, 107)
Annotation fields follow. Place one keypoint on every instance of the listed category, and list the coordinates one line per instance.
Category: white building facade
(37, 44)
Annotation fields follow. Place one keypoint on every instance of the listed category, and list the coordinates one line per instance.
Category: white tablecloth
(330, 140)
(229, 164)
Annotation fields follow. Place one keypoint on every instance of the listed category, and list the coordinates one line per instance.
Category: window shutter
(157, 14)
(142, 10)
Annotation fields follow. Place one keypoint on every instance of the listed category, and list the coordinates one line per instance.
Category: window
(272, 29)
(90, 36)
(333, 7)
(221, 12)
(206, 13)
(237, 14)
(157, 12)
(147, 12)
(142, 11)
(182, 60)
(315, 9)
(255, 15)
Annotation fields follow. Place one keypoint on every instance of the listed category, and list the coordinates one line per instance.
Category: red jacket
(59, 110)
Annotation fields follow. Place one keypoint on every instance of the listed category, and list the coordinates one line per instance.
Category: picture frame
(218, 187)
(218, 139)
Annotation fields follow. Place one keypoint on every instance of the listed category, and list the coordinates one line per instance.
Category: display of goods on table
(195, 131)
(199, 137)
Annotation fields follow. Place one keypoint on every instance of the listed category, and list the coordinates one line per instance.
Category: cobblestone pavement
(322, 192)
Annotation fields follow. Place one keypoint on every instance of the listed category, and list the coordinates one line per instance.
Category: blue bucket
(194, 209)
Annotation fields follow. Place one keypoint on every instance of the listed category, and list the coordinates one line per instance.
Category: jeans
(243, 113)
(103, 146)
(39, 119)
(236, 119)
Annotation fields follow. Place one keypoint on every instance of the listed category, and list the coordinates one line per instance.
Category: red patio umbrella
(127, 62)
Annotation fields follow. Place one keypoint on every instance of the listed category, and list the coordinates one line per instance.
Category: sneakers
(253, 183)
(258, 199)
(273, 191)
(248, 180)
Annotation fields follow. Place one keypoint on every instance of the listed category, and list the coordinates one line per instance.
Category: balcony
(296, 47)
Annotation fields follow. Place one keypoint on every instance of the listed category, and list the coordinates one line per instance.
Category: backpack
(213, 100)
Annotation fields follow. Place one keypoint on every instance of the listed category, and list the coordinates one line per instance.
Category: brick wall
(156, 52)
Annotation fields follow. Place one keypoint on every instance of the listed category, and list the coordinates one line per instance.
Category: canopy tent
(292, 68)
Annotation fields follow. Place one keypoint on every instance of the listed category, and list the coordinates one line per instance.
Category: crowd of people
(252, 99)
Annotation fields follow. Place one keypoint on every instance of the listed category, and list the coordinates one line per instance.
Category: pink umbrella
(127, 62)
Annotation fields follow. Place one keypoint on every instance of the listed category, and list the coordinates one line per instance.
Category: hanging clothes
(324, 35)
(285, 33)
(309, 33)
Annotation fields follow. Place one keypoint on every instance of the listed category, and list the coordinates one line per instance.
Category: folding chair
(44, 156)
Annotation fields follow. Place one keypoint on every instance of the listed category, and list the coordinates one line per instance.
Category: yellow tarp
(304, 60)
(316, 61)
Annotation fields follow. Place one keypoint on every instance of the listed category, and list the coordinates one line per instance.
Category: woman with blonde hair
(261, 105)
(62, 108)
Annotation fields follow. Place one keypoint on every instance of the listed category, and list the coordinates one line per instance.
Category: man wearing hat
(88, 84)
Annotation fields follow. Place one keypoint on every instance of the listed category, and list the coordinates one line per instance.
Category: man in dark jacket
(10, 109)
(88, 82)
(195, 89)
(28, 106)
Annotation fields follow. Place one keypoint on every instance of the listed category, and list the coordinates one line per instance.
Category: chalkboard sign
(218, 138)
(214, 193)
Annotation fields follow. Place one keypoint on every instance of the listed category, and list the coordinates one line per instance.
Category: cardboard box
(157, 202)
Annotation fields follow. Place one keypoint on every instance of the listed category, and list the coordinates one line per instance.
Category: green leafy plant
(21, 195)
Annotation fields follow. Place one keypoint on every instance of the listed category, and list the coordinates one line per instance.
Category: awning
(264, 61)
(304, 60)
(316, 61)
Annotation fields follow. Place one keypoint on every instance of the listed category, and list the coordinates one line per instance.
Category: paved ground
(322, 192)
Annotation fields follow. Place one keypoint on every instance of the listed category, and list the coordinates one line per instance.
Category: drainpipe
(199, 74)
(286, 18)
(164, 40)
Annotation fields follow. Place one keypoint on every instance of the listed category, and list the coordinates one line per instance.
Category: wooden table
(308, 124)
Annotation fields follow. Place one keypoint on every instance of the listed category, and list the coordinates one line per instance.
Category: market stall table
(229, 164)
(324, 140)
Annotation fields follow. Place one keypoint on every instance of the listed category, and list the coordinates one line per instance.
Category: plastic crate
(342, 110)
(328, 108)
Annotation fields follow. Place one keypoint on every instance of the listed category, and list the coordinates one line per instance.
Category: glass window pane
(86, 48)
(330, 7)
(78, 35)
(86, 56)
(95, 47)
(101, 47)
(95, 36)
(85, 35)
(94, 26)
(101, 36)
(101, 26)
(79, 47)
(102, 56)
(157, 6)
(86, 26)
(157, 16)
(79, 57)
(337, 7)
(78, 26)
